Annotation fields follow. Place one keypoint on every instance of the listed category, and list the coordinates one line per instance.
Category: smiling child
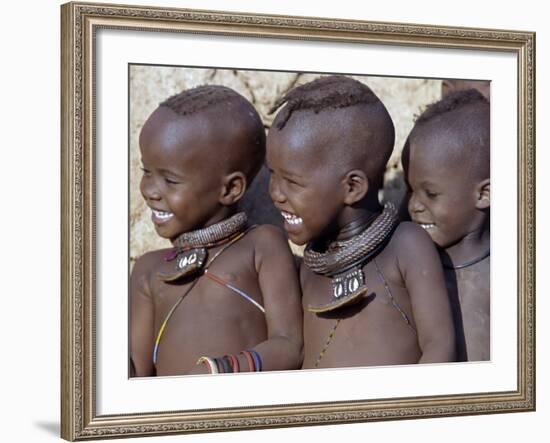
(447, 167)
(226, 298)
(373, 289)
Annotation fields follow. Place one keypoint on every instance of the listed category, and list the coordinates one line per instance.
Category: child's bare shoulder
(267, 237)
(148, 263)
(409, 232)
(411, 243)
(270, 247)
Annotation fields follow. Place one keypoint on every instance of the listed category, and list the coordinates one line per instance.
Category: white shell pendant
(187, 263)
(347, 288)
(348, 282)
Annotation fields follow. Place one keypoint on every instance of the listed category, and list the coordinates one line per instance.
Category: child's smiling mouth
(160, 216)
(291, 219)
(426, 226)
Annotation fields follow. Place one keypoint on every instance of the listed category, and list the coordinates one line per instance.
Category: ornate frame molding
(79, 23)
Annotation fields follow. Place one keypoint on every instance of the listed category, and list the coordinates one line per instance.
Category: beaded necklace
(191, 286)
(393, 302)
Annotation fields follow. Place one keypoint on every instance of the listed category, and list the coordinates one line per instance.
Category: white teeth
(162, 215)
(291, 219)
(427, 225)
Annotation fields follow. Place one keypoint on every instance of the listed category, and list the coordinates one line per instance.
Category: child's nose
(149, 190)
(275, 190)
(415, 205)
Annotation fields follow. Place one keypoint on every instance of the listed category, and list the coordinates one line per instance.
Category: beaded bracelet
(257, 360)
(234, 363)
(230, 363)
(250, 360)
(210, 363)
(225, 364)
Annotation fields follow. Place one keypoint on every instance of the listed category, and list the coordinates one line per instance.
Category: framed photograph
(119, 62)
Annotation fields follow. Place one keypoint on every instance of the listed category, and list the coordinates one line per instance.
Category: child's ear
(233, 188)
(356, 186)
(483, 192)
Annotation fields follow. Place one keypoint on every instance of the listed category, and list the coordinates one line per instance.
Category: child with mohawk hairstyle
(373, 288)
(226, 298)
(447, 164)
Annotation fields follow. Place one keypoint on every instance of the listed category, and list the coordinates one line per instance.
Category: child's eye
(292, 182)
(170, 181)
(431, 194)
(146, 172)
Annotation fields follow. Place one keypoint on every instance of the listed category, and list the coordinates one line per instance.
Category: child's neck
(473, 246)
(224, 213)
(355, 219)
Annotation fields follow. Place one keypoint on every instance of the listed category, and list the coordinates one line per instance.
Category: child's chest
(207, 317)
(356, 334)
(473, 286)
(381, 291)
(227, 292)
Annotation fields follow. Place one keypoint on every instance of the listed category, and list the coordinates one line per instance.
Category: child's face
(303, 184)
(443, 195)
(175, 155)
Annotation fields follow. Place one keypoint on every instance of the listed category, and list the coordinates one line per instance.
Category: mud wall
(149, 85)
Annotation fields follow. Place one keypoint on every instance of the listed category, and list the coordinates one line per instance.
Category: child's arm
(141, 320)
(278, 279)
(421, 268)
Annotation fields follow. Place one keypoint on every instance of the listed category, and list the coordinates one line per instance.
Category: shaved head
(226, 119)
(457, 129)
(345, 121)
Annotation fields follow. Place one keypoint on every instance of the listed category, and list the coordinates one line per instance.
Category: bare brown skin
(318, 175)
(450, 196)
(212, 320)
(469, 290)
(374, 332)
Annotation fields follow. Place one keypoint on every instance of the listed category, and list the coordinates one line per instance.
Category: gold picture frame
(80, 23)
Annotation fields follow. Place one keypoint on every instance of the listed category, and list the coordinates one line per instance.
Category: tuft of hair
(193, 100)
(451, 102)
(335, 91)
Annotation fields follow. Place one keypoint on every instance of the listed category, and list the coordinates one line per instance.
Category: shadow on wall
(258, 205)
(395, 191)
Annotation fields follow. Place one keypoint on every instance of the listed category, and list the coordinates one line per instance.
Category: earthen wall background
(149, 85)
